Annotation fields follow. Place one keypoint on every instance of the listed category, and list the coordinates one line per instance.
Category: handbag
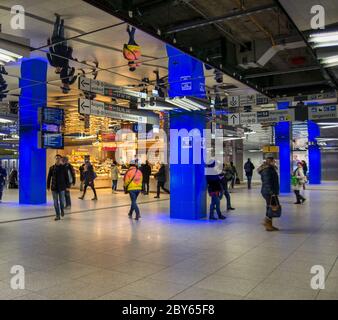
(274, 209)
(125, 188)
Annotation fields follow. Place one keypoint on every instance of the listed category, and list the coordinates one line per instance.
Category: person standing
(235, 175)
(89, 176)
(225, 191)
(146, 171)
(299, 179)
(58, 183)
(13, 179)
(71, 179)
(270, 187)
(161, 180)
(215, 192)
(115, 172)
(249, 168)
(305, 170)
(133, 186)
(3, 176)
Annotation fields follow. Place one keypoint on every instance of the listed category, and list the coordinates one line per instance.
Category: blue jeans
(228, 198)
(133, 198)
(114, 186)
(59, 202)
(215, 204)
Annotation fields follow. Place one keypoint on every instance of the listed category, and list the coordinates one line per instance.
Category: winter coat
(270, 179)
(58, 179)
(146, 171)
(3, 175)
(115, 172)
(249, 168)
(71, 174)
(133, 179)
(160, 175)
(299, 174)
(214, 184)
(89, 176)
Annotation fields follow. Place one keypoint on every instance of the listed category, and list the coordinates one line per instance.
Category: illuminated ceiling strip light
(177, 104)
(2, 120)
(325, 44)
(324, 34)
(6, 58)
(330, 127)
(324, 39)
(193, 103)
(11, 54)
(331, 59)
(330, 65)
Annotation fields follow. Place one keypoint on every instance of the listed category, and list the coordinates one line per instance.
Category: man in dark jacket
(146, 172)
(161, 180)
(72, 180)
(225, 190)
(58, 182)
(270, 187)
(3, 176)
(249, 168)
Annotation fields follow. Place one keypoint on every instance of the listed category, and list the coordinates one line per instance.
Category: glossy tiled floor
(103, 255)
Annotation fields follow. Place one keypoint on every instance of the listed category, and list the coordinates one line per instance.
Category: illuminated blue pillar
(315, 173)
(283, 137)
(187, 179)
(32, 165)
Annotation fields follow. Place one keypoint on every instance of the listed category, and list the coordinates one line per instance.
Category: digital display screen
(52, 141)
(52, 116)
(53, 128)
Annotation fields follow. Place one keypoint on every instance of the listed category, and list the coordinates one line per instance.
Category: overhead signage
(51, 116)
(323, 112)
(51, 140)
(247, 100)
(109, 90)
(248, 118)
(100, 109)
(233, 101)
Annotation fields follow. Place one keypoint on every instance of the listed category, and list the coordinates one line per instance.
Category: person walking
(305, 170)
(161, 180)
(215, 192)
(13, 179)
(58, 182)
(115, 172)
(71, 179)
(81, 169)
(270, 187)
(235, 175)
(133, 186)
(89, 177)
(146, 172)
(249, 168)
(225, 191)
(298, 181)
(3, 177)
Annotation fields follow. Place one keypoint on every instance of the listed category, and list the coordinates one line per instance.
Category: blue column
(32, 171)
(187, 180)
(283, 141)
(315, 172)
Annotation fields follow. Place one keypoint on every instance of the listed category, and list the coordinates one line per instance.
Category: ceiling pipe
(274, 73)
(233, 15)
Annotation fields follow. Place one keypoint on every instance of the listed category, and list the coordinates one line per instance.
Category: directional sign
(234, 119)
(247, 118)
(84, 84)
(84, 106)
(275, 116)
(233, 101)
(323, 112)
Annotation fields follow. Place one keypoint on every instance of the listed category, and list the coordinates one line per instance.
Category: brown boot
(268, 225)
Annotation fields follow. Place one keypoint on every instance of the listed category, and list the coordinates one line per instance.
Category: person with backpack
(89, 175)
(298, 181)
(133, 185)
(249, 168)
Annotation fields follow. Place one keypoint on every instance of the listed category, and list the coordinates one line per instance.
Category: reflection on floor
(104, 255)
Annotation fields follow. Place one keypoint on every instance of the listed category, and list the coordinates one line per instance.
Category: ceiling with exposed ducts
(262, 43)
